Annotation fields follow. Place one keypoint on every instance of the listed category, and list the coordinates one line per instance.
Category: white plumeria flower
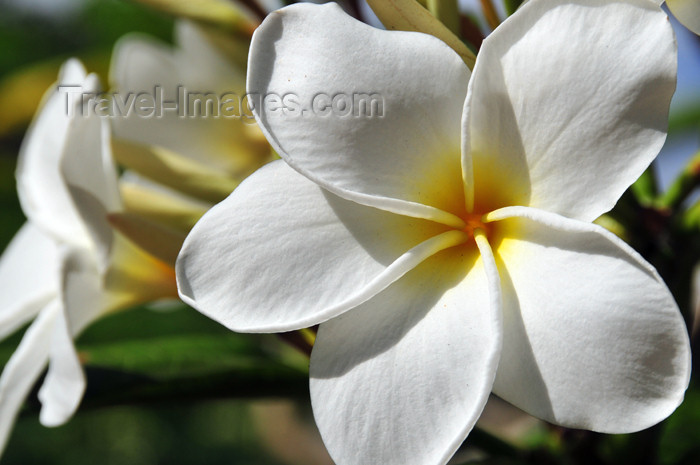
(195, 66)
(687, 12)
(65, 268)
(446, 247)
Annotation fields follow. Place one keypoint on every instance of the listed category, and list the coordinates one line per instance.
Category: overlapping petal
(592, 336)
(301, 255)
(82, 301)
(563, 116)
(179, 77)
(66, 264)
(139, 63)
(305, 56)
(197, 49)
(403, 377)
(29, 271)
(64, 384)
(24, 367)
(41, 190)
(90, 177)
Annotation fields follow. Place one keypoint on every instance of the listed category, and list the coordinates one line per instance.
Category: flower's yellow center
(473, 222)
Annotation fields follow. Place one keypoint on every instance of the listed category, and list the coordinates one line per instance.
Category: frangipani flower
(192, 149)
(446, 247)
(228, 142)
(66, 267)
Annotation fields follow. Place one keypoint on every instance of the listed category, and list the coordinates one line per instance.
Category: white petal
(140, 62)
(403, 378)
(281, 253)
(568, 104)
(90, 175)
(687, 12)
(82, 302)
(402, 159)
(64, 385)
(87, 161)
(41, 189)
(592, 336)
(198, 51)
(29, 273)
(142, 65)
(24, 367)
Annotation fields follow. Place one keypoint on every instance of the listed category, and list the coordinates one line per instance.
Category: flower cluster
(95, 241)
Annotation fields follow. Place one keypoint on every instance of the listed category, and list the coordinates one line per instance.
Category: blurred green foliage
(27, 38)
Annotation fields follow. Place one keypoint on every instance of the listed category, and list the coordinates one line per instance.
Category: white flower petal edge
(403, 377)
(55, 227)
(687, 12)
(198, 51)
(65, 382)
(89, 175)
(139, 64)
(24, 367)
(50, 339)
(68, 183)
(371, 160)
(571, 152)
(302, 254)
(42, 193)
(88, 288)
(83, 301)
(592, 336)
(29, 274)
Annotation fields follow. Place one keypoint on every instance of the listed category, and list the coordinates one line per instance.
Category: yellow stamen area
(475, 222)
(136, 277)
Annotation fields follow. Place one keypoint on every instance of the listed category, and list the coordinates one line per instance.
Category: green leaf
(680, 439)
(447, 12)
(682, 186)
(512, 6)
(645, 189)
(684, 118)
(144, 355)
(173, 356)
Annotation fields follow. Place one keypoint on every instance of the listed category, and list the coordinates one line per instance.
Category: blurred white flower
(202, 65)
(446, 246)
(66, 267)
